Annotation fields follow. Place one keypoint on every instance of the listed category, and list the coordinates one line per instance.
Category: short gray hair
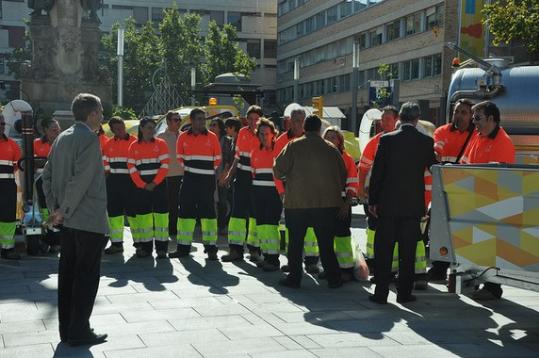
(410, 112)
(298, 112)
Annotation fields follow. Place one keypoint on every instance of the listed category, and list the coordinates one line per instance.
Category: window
(406, 71)
(157, 14)
(393, 30)
(270, 49)
(287, 35)
(320, 20)
(413, 23)
(218, 17)
(234, 19)
(414, 75)
(346, 9)
(140, 14)
(394, 68)
(436, 64)
(360, 5)
(2, 65)
(344, 83)
(375, 38)
(331, 15)
(434, 17)
(253, 48)
(363, 41)
(300, 29)
(427, 66)
(309, 25)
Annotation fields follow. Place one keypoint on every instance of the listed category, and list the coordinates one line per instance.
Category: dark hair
(465, 101)
(254, 109)
(171, 114)
(143, 123)
(115, 120)
(196, 111)
(490, 109)
(83, 104)
(221, 125)
(233, 122)
(46, 124)
(312, 123)
(264, 122)
(409, 112)
(391, 109)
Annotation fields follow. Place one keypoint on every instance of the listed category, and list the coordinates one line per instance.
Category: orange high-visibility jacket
(367, 159)
(42, 148)
(115, 154)
(352, 181)
(199, 153)
(448, 142)
(148, 162)
(10, 153)
(280, 143)
(496, 147)
(245, 143)
(262, 168)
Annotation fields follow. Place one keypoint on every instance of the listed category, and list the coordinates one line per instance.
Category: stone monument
(65, 41)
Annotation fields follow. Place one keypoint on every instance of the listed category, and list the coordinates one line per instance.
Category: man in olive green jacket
(315, 177)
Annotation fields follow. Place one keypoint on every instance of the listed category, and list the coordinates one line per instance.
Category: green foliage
(125, 113)
(384, 70)
(514, 20)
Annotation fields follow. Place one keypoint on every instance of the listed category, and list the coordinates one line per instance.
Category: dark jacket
(313, 171)
(397, 182)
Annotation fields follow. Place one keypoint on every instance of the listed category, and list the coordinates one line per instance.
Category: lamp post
(354, 83)
(296, 79)
(193, 84)
(120, 53)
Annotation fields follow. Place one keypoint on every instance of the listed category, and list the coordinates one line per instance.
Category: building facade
(255, 21)
(406, 35)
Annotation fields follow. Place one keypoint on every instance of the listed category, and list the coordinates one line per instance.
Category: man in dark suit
(76, 195)
(396, 198)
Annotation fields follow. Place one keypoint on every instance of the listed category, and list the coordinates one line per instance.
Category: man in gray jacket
(76, 195)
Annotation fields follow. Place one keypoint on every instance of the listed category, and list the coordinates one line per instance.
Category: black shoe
(335, 284)
(421, 285)
(161, 254)
(234, 255)
(89, 340)
(406, 299)
(212, 255)
(377, 299)
(288, 283)
(322, 275)
(312, 269)
(114, 249)
(10, 254)
(269, 267)
(285, 268)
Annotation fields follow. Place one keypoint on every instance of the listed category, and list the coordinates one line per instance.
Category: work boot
(161, 254)
(312, 269)
(142, 253)
(285, 268)
(233, 255)
(269, 267)
(10, 254)
(255, 256)
(212, 253)
(421, 285)
(114, 248)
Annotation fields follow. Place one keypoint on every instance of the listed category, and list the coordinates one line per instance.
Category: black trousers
(120, 195)
(243, 205)
(173, 191)
(8, 208)
(78, 280)
(389, 230)
(323, 221)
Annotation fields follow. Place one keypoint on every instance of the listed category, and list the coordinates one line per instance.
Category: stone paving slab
(196, 308)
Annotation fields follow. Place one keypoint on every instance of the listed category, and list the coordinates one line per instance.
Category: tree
(512, 20)
(141, 60)
(223, 53)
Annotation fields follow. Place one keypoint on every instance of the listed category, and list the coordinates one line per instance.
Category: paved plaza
(196, 308)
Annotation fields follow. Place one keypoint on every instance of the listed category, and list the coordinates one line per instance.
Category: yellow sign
(318, 106)
(472, 32)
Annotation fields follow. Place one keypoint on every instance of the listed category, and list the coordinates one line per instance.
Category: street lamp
(120, 53)
(355, 75)
(296, 79)
(193, 84)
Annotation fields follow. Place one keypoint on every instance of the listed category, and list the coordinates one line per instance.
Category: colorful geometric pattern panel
(494, 216)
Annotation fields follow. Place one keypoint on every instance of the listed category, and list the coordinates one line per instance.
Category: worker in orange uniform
(120, 187)
(42, 147)
(199, 153)
(490, 144)
(267, 203)
(242, 224)
(310, 245)
(103, 139)
(10, 154)
(343, 235)
(147, 162)
(390, 116)
(450, 142)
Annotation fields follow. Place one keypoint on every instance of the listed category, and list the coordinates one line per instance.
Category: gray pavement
(196, 308)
